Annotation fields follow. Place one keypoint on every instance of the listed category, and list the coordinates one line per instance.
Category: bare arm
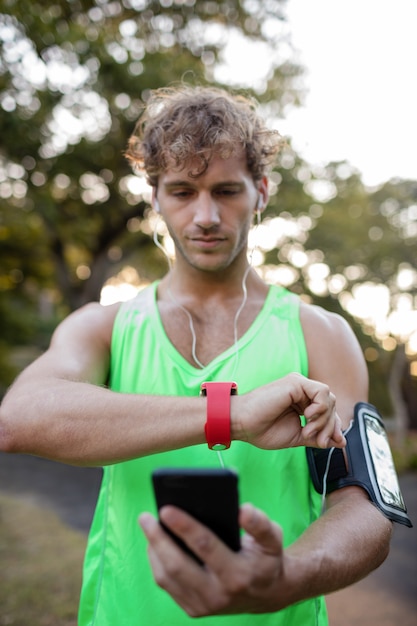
(346, 543)
(60, 408)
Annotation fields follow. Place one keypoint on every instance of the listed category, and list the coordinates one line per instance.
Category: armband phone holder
(366, 461)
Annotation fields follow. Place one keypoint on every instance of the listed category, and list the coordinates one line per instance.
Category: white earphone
(259, 206)
(156, 206)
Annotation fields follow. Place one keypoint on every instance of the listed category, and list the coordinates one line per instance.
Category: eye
(181, 193)
(227, 191)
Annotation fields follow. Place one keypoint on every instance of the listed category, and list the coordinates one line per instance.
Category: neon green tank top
(118, 588)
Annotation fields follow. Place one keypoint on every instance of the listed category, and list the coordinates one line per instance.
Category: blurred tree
(73, 76)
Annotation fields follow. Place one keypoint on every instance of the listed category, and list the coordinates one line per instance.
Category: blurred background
(337, 80)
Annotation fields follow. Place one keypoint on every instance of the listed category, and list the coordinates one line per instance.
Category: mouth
(207, 242)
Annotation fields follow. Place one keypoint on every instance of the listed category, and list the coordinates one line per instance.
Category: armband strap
(217, 427)
(366, 461)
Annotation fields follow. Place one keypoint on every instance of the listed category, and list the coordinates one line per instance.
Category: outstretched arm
(60, 407)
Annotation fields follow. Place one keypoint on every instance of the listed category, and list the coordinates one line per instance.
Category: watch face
(382, 461)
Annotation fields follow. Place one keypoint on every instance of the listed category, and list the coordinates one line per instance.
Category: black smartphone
(209, 495)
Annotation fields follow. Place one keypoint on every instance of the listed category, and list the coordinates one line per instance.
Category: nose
(206, 213)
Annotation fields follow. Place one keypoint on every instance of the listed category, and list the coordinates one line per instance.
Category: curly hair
(186, 126)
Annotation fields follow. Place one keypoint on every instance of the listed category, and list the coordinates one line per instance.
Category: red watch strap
(217, 427)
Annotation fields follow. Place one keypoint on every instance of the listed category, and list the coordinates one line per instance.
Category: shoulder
(327, 331)
(93, 320)
(321, 324)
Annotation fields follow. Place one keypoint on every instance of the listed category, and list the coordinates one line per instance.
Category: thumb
(264, 532)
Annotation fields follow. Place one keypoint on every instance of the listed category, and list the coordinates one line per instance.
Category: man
(119, 386)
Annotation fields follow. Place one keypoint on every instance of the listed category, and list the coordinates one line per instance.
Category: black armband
(366, 461)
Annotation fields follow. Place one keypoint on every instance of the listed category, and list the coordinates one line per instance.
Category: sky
(361, 62)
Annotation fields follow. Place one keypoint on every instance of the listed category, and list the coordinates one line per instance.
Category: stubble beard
(224, 263)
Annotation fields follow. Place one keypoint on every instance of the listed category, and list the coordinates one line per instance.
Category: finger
(324, 432)
(266, 534)
(323, 422)
(322, 439)
(164, 547)
(167, 576)
(321, 400)
(338, 439)
(149, 525)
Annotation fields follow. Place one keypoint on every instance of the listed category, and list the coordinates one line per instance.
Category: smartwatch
(217, 427)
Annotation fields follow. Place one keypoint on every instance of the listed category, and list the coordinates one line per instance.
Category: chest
(205, 333)
(150, 357)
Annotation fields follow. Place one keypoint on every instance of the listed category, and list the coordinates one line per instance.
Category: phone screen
(209, 495)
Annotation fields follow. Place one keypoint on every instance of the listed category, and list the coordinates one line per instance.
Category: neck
(201, 286)
(243, 298)
(218, 310)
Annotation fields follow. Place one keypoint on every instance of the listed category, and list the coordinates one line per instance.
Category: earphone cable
(326, 471)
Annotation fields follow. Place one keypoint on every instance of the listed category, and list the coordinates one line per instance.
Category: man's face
(209, 217)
